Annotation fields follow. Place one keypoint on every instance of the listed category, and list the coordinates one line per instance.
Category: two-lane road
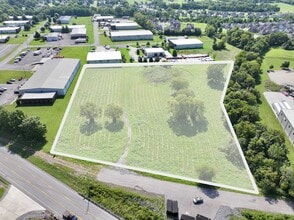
(45, 189)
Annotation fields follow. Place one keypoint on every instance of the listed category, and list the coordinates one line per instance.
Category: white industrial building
(4, 38)
(154, 52)
(78, 33)
(18, 23)
(131, 35)
(286, 118)
(27, 17)
(98, 17)
(53, 37)
(124, 26)
(104, 57)
(54, 76)
(9, 30)
(183, 43)
(58, 28)
(64, 19)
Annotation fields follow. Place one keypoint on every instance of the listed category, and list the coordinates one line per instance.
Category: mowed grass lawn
(154, 144)
(51, 115)
(285, 8)
(274, 57)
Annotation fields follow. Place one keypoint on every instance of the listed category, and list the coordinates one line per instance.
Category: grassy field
(285, 8)
(89, 26)
(202, 26)
(48, 114)
(165, 147)
(274, 57)
(22, 36)
(5, 75)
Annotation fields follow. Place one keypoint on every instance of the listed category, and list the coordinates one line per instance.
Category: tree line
(18, 125)
(264, 148)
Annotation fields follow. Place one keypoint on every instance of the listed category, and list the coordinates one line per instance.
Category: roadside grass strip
(206, 151)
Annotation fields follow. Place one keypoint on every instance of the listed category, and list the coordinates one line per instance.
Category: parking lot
(8, 96)
(30, 58)
(65, 41)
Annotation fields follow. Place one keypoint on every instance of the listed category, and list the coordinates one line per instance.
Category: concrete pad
(282, 77)
(16, 203)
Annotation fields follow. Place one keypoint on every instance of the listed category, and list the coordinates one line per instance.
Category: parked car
(3, 89)
(198, 200)
(37, 52)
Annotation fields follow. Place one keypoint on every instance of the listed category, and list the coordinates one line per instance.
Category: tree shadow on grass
(114, 126)
(217, 85)
(89, 128)
(233, 155)
(186, 128)
(26, 149)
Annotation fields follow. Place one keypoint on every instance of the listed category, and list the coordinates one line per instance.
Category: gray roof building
(131, 35)
(53, 76)
(64, 19)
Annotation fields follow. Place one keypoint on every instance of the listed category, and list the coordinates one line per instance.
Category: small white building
(104, 57)
(10, 30)
(124, 26)
(27, 17)
(4, 38)
(78, 33)
(19, 23)
(53, 37)
(64, 19)
(183, 43)
(98, 17)
(154, 52)
(131, 35)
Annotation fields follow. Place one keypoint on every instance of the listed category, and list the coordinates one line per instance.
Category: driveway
(15, 203)
(213, 199)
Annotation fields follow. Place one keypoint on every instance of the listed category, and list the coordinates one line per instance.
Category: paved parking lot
(65, 41)
(8, 96)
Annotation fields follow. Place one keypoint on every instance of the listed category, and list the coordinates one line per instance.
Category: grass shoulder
(253, 214)
(126, 203)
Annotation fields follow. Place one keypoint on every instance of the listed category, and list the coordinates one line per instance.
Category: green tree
(210, 31)
(90, 111)
(32, 129)
(113, 111)
(37, 35)
(15, 119)
(278, 38)
(175, 53)
(285, 65)
(178, 83)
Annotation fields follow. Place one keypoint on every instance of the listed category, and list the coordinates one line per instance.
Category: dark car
(197, 200)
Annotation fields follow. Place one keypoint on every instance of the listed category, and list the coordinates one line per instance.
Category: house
(54, 76)
(10, 30)
(64, 19)
(124, 26)
(131, 35)
(182, 43)
(154, 52)
(18, 23)
(104, 57)
(53, 37)
(78, 33)
(4, 38)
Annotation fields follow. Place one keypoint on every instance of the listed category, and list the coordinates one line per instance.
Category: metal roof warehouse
(53, 76)
(131, 35)
(104, 57)
(183, 43)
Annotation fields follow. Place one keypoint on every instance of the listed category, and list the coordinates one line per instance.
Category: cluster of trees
(232, 5)
(264, 148)
(144, 21)
(189, 32)
(183, 105)
(91, 111)
(18, 125)
(246, 41)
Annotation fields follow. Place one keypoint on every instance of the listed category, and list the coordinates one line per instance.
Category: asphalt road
(213, 199)
(45, 189)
